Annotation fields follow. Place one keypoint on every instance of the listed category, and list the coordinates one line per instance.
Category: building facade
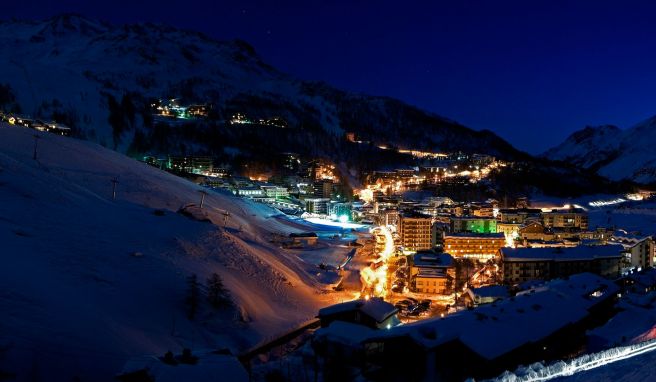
(473, 224)
(571, 219)
(526, 264)
(415, 231)
(432, 272)
(317, 206)
(478, 246)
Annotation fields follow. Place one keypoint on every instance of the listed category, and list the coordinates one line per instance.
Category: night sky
(531, 71)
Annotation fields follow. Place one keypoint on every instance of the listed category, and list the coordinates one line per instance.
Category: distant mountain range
(102, 79)
(612, 152)
(69, 65)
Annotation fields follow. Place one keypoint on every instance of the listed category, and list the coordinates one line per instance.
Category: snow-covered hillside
(87, 282)
(71, 65)
(614, 153)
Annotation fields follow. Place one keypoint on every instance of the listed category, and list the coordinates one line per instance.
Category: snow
(378, 309)
(496, 329)
(208, 367)
(620, 154)
(582, 252)
(627, 363)
(490, 291)
(375, 307)
(77, 300)
(345, 332)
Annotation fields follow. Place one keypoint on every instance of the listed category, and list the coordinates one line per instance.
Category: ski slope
(88, 282)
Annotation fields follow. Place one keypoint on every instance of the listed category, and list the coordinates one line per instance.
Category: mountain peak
(591, 131)
(70, 24)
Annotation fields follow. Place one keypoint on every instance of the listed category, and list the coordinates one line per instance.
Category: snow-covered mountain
(88, 282)
(612, 152)
(71, 66)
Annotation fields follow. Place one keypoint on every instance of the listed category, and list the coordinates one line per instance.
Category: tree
(217, 294)
(193, 292)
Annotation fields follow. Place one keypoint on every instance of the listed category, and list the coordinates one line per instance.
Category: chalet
(486, 294)
(374, 313)
(304, 238)
(535, 231)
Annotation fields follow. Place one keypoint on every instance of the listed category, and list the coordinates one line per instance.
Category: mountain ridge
(617, 154)
(91, 58)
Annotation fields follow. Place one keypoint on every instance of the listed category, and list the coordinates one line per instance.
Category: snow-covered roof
(375, 307)
(498, 235)
(431, 273)
(490, 291)
(209, 367)
(496, 329)
(646, 278)
(345, 332)
(582, 252)
(432, 259)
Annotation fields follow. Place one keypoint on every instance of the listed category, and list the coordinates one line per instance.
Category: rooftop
(496, 329)
(498, 235)
(375, 307)
(432, 259)
(582, 252)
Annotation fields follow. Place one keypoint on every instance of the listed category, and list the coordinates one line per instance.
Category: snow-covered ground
(87, 283)
(625, 364)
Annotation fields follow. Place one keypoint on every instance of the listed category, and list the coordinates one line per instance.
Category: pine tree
(192, 296)
(217, 294)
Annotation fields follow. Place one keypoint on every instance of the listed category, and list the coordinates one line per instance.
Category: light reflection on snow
(540, 372)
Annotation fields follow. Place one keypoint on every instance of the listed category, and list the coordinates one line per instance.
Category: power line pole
(36, 143)
(202, 197)
(114, 183)
(226, 215)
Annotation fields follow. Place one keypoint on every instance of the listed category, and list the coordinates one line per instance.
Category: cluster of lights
(603, 203)
(374, 277)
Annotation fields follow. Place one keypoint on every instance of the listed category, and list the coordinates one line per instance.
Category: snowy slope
(75, 301)
(69, 64)
(614, 153)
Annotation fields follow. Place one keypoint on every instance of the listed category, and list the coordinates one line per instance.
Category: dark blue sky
(532, 71)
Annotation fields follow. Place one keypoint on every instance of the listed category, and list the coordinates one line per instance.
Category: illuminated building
(481, 246)
(198, 110)
(317, 206)
(338, 210)
(473, 224)
(509, 229)
(249, 192)
(481, 210)
(535, 231)
(432, 272)
(291, 161)
(191, 164)
(275, 192)
(416, 231)
(433, 174)
(525, 264)
(638, 250)
(322, 188)
(374, 313)
(518, 215)
(570, 219)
